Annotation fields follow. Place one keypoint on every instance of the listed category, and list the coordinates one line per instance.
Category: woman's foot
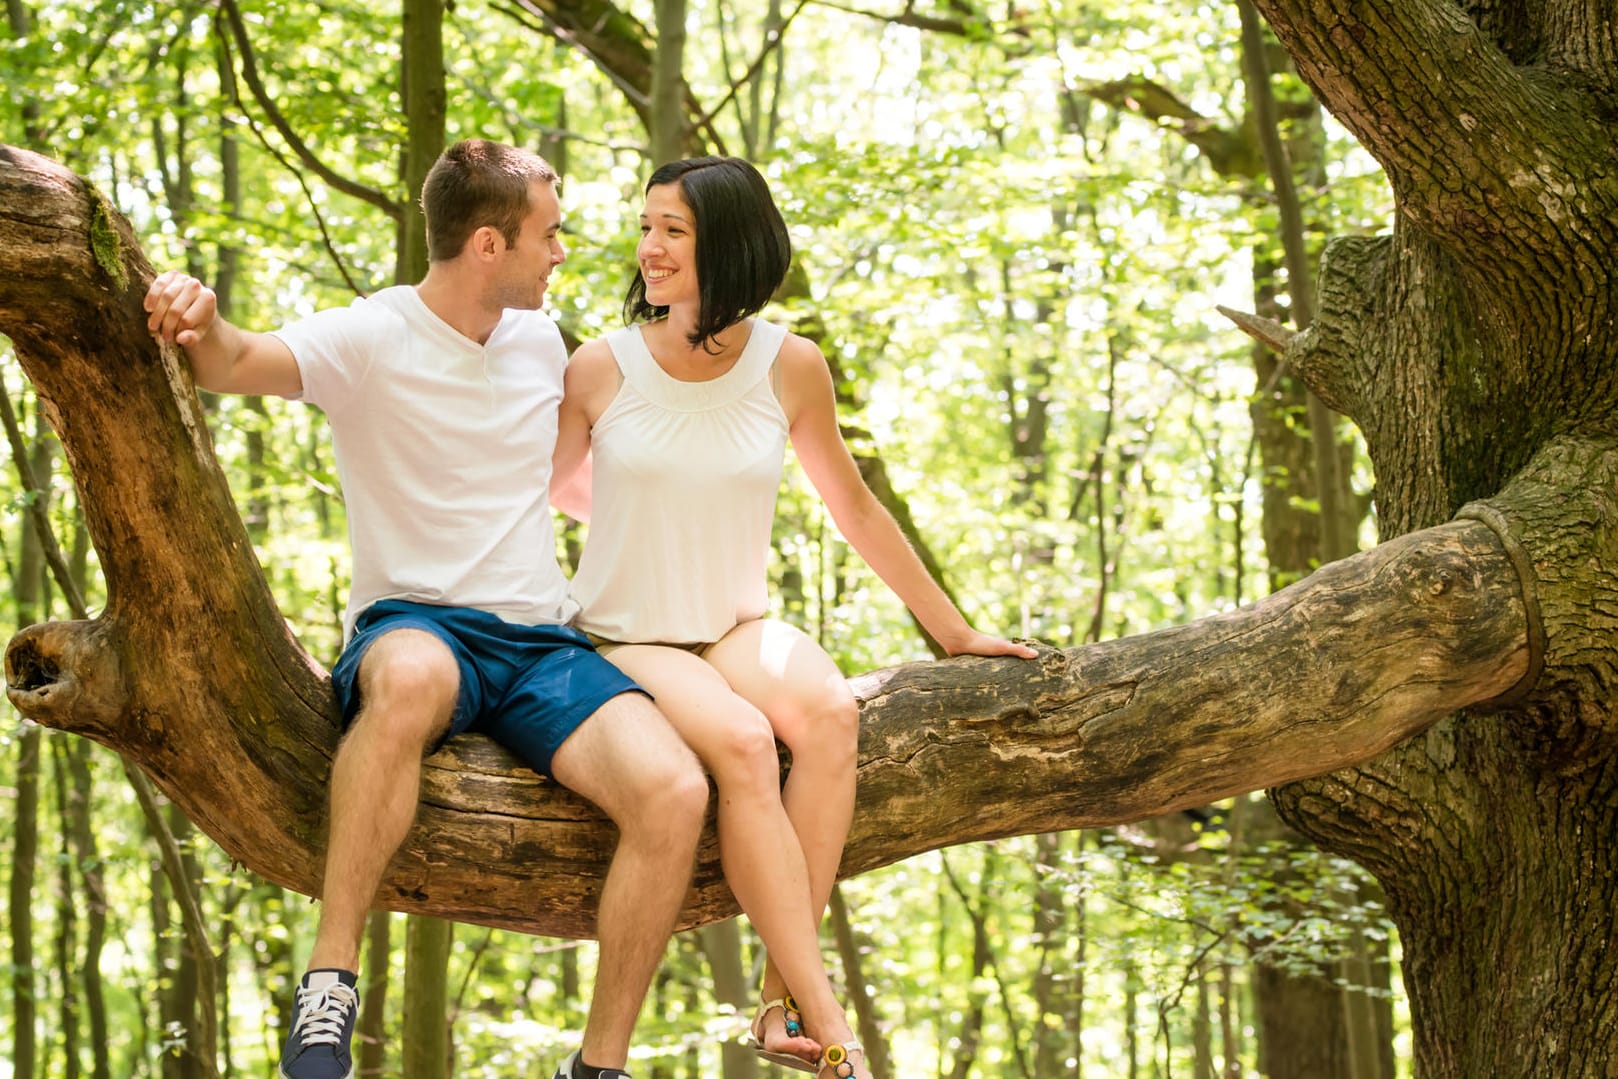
(778, 1035)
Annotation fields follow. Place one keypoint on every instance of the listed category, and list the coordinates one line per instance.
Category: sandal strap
(789, 1008)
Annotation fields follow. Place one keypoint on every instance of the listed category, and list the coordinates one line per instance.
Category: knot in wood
(29, 669)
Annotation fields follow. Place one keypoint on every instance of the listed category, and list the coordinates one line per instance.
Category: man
(442, 400)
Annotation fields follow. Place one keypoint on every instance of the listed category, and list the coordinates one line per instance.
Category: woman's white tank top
(682, 498)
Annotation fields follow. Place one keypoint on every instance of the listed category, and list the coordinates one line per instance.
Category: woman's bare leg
(794, 683)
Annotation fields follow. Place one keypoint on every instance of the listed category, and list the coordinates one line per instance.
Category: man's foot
(574, 1068)
(322, 1025)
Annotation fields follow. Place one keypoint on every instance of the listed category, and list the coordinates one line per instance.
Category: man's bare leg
(628, 760)
(408, 684)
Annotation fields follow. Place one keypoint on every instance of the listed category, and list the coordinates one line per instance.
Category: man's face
(527, 264)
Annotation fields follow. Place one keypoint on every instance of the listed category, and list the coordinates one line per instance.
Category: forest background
(1013, 228)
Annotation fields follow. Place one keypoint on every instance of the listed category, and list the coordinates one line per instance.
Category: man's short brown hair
(475, 183)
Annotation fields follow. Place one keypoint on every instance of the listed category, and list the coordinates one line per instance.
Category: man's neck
(458, 302)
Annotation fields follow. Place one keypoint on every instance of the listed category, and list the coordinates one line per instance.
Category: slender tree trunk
(198, 1055)
(970, 1034)
(1056, 981)
(28, 590)
(1229, 1039)
(25, 834)
(421, 80)
(866, 1027)
(1336, 540)
(426, 998)
(67, 920)
(24, 863)
(721, 944)
(669, 128)
(1131, 1018)
(269, 933)
(426, 1046)
(1202, 1066)
(178, 1001)
(370, 1030)
(92, 872)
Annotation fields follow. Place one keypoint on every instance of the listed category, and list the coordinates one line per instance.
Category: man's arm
(223, 357)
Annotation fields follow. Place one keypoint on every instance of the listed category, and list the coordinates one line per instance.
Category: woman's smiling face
(668, 247)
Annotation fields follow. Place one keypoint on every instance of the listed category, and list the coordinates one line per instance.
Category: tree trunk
(426, 1048)
(866, 1029)
(24, 867)
(721, 945)
(26, 588)
(668, 127)
(371, 1047)
(88, 859)
(67, 920)
(1477, 349)
(1058, 980)
(421, 90)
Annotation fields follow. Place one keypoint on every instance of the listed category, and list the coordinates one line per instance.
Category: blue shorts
(527, 687)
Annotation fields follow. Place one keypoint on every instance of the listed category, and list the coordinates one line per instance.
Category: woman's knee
(740, 748)
(826, 726)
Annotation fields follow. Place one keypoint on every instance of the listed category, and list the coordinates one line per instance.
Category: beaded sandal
(835, 1057)
(794, 1025)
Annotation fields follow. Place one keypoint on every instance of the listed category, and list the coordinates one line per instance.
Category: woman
(688, 411)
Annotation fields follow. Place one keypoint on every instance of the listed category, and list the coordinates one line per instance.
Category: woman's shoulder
(800, 357)
(593, 375)
(591, 356)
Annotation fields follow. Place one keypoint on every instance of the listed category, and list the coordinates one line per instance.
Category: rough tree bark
(1476, 347)
(193, 674)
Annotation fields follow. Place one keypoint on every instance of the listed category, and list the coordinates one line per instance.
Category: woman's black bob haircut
(743, 250)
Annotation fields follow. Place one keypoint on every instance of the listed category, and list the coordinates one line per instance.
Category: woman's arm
(810, 403)
(588, 387)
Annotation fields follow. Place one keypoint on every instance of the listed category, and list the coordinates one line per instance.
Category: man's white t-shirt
(443, 449)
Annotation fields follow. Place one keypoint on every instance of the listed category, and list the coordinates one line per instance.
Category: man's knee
(667, 785)
(678, 803)
(408, 682)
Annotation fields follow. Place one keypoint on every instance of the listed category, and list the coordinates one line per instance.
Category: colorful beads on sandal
(835, 1057)
(791, 1016)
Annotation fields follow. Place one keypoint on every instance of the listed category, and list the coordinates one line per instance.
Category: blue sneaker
(570, 1070)
(322, 1024)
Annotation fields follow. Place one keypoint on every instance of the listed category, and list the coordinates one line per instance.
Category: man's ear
(486, 242)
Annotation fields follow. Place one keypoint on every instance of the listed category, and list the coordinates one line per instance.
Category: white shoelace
(323, 1012)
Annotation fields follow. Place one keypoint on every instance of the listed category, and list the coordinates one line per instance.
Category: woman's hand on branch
(973, 643)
